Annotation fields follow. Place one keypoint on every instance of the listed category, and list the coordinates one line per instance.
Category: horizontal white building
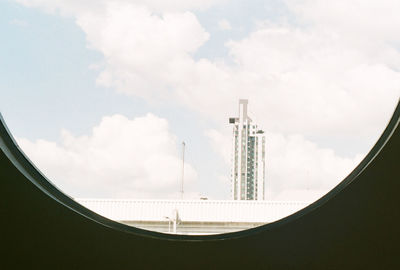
(192, 216)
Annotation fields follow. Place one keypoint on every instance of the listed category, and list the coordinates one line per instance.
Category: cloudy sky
(100, 94)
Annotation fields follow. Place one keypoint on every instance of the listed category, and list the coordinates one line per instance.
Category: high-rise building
(248, 157)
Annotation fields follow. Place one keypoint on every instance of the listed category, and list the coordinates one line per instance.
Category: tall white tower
(248, 157)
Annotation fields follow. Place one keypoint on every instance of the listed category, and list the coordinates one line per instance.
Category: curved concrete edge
(20, 160)
(356, 225)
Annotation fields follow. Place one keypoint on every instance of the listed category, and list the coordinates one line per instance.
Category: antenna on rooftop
(183, 167)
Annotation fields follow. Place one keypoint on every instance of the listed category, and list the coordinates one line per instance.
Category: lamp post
(169, 223)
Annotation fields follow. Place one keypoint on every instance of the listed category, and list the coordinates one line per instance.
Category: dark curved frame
(11, 149)
(354, 226)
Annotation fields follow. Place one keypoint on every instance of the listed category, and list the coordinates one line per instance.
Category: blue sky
(47, 85)
(310, 77)
(243, 17)
(47, 69)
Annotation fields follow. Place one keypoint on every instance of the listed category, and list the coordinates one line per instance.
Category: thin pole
(183, 168)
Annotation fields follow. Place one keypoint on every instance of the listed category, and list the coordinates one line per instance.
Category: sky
(101, 94)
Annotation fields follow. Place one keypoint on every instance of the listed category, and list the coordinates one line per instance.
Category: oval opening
(196, 118)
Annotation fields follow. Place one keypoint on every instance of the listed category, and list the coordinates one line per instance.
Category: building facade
(192, 216)
(248, 157)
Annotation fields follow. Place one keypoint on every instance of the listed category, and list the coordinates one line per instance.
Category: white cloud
(221, 141)
(96, 66)
(296, 169)
(77, 7)
(141, 49)
(224, 25)
(321, 79)
(122, 158)
(334, 76)
(314, 83)
(375, 21)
